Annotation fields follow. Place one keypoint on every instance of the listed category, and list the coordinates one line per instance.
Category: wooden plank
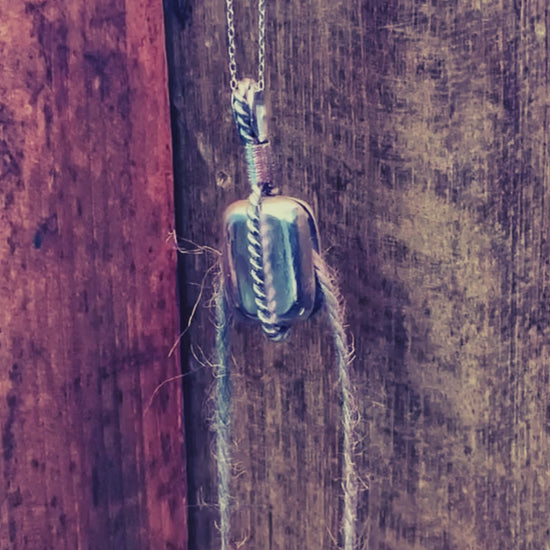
(87, 303)
(419, 132)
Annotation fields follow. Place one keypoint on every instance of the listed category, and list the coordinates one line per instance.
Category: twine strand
(222, 415)
(335, 313)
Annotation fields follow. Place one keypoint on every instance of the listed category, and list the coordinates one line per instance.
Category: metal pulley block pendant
(270, 239)
(288, 238)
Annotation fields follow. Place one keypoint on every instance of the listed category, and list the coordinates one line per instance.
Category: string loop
(335, 316)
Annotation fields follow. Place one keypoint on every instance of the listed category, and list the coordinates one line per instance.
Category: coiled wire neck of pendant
(230, 15)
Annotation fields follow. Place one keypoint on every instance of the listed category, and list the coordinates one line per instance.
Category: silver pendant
(289, 237)
(269, 240)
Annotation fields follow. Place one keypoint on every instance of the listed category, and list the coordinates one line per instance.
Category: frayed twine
(187, 247)
(350, 417)
(222, 414)
(221, 420)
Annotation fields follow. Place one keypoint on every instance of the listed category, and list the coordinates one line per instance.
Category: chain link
(231, 44)
(261, 44)
(231, 49)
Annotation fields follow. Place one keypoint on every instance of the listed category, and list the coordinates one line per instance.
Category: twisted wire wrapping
(349, 410)
(258, 250)
(243, 117)
(222, 415)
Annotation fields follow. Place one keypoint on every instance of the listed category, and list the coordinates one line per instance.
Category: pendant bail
(249, 111)
(250, 114)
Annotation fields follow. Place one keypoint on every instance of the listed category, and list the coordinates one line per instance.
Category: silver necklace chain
(232, 49)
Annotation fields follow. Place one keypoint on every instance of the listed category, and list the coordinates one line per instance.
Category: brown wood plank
(419, 132)
(87, 302)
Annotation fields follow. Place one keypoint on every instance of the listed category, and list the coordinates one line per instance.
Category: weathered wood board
(87, 287)
(418, 130)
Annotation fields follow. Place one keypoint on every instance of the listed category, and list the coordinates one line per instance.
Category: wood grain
(419, 133)
(87, 302)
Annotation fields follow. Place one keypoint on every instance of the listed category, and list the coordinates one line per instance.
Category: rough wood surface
(419, 132)
(87, 300)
